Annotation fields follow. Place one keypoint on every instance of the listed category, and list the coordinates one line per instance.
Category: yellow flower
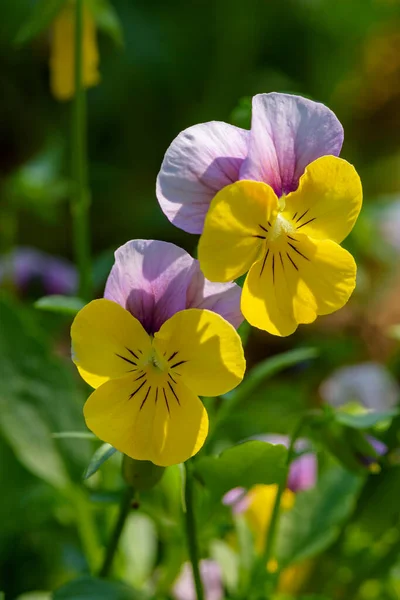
(258, 515)
(62, 52)
(146, 399)
(290, 246)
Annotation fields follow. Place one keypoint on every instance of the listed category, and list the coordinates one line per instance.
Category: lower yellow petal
(238, 220)
(107, 342)
(297, 279)
(151, 418)
(62, 58)
(203, 350)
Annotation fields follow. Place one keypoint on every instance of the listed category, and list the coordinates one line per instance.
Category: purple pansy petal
(222, 298)
(154, 280)
(211, 577)
(303, 473)
(370, 384)
(200, 161)
(288, 133)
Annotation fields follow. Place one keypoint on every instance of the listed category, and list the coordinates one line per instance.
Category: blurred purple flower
(389, 224)
(31, 270)
(304, 469)
(287, 134)
(237, 498)
(211, 577)
(370, 384)
(379, 447)
(302, 474)
(153, 280)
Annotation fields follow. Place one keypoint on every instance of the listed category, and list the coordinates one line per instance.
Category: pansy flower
(162, 336)
(275, 201)
(35, 273)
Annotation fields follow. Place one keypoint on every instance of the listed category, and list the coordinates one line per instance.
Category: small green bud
(141, 474)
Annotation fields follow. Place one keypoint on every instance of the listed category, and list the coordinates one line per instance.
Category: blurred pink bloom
(287, 134)
(153, 280)
(211, 577)
(35, 272)
(370, 384)
(389, 224)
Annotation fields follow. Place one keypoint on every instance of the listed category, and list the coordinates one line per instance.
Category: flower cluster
(276, 202)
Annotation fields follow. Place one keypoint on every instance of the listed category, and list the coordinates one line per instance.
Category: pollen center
(281, 227)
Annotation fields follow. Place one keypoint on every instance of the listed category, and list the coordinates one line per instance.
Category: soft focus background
(181, 63)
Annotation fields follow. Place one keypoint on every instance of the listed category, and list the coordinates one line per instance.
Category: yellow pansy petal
(107, 342)
(203, 350)
(238, 219)
(298, 279)
(259, 512)
(62, 57)
(328, 200)
(148, 419)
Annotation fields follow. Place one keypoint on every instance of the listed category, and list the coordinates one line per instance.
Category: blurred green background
(181, 63)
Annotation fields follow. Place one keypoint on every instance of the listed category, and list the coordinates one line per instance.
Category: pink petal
(200, 161)
(303, 473)
(154, 280)
(288, 133)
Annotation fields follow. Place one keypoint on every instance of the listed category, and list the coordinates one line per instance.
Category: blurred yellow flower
(258, 515)
(62, 52)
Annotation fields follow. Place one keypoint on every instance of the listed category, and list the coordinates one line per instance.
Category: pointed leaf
(243, 465)
(99, 457)
(64, 305)
(43, 13)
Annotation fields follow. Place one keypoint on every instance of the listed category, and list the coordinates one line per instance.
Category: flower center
(280, 227)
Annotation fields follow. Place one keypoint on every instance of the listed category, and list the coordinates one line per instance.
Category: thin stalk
(81, 196)
(269, 547)
(86, 526)
(191, 533)
(125, 506)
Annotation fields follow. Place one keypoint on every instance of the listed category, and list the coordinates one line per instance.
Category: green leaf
(139, 544)
(30, 438)
(65, 305)
(90, 588)
(258, 375)
(33, 596)
(270, 367)
(74, 435)
(243, 465)
(99, 457)
(43, 13)
(365, 419)
(107, 20)
(315, 520)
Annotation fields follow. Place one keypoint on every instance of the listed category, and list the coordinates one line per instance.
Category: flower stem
(191, 532)
(124, 509)
(270, 537)
(81, 196)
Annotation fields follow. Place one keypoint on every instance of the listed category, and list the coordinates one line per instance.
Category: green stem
(270, 538)
(191, 532)
(124, 509)
(86, 526)
(81, 196)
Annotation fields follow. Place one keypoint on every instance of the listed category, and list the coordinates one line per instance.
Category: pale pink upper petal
(200, 161)
(154, 280)
(288, 133)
